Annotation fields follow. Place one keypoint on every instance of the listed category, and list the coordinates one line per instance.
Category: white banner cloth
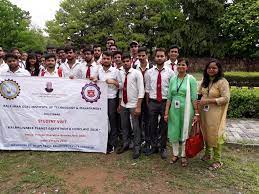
(53, 114)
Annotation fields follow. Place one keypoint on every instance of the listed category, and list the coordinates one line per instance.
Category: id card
(177, 104)
(206, 108)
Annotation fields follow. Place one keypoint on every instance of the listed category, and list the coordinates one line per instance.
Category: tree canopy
(240, 27)
(213, 28)
(15, 30)
(194, 25)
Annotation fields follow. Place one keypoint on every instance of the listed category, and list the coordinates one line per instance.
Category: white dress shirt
(94, 69)
(151, 81)
(75, 70)
(138, 67)
(135, 87)
(168, 64)
(21, 64)
(134, 62)
(45, 73)
(18, 72)
(59, 63)
(4, 67)
(111, 73)
(99, 61)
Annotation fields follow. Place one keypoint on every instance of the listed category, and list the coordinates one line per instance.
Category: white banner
(53, 114)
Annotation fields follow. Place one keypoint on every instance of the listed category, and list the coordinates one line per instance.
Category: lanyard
(178, 88)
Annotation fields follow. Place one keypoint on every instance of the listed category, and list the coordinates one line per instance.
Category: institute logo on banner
(9, 89)
(91, 92)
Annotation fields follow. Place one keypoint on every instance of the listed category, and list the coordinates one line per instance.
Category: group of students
(148, 104)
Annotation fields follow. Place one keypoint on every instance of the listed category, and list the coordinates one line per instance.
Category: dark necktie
(88, 72)
(124, 90)
(159, 87)
(172, 65)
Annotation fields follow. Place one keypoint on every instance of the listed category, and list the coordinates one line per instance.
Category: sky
(40, 10)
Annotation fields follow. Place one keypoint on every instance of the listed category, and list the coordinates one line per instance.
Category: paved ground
(243, 131)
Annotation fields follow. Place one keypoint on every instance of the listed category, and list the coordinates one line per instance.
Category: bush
(243, 104)
(250, 79)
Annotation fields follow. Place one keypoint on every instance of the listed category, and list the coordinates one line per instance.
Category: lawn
(71, 172)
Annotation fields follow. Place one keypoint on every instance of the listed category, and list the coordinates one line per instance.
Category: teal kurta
(176, 115)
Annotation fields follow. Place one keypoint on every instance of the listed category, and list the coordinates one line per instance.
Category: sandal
(215, 166)
(174, 159)
(184, 162)
(206, 158)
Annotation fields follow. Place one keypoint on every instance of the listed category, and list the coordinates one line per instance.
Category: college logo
(91, 92)
(9, 89)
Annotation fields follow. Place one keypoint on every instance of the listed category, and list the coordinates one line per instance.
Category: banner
(53, 114)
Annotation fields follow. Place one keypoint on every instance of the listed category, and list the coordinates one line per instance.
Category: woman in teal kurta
(179, 112)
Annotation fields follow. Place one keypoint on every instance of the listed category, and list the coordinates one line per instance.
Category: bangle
(197, 114)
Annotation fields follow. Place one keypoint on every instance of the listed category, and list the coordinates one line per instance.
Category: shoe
(136, 154)
(146, 148)
(122, 149)
(110, 149)
(151, 151)
(163, 153)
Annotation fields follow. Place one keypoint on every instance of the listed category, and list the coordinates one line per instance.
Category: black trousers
(156, 129)
(144, 123)
(126, 127)
(113, 119)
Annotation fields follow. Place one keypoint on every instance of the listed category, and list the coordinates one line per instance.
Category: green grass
(71, 172)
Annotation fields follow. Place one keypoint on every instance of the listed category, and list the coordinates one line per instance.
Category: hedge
(243, 103)
(250, 79)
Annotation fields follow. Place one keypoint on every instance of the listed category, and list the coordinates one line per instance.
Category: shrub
(243, 103)
(250, 79)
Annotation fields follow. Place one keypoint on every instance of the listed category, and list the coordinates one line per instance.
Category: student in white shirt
(134, 45)
(131, 96)
(117, 63)
(89, 66)
(16, 51)
(72, 68)
(51, 70)
(117, 60)
(3, 65)
(97, 53)
(173, 53)
(143, 67)
(109, 41)
(14, 68)
(24, 57)
(113, 48)
(62, 57)
(51, 49)
(157, 85)
(112, 77)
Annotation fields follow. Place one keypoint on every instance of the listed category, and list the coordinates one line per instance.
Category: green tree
(85, 21)
(240, 27)
(200, 33)
(15, 31)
